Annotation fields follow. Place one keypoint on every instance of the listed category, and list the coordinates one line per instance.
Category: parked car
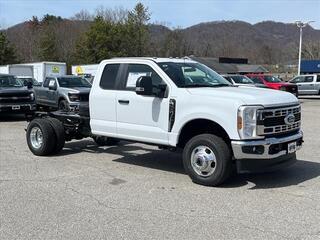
(29, 80)
(242, 80)
(274, 83)
(63, 92)
(181, 104)
(14, 96)
(307, 84)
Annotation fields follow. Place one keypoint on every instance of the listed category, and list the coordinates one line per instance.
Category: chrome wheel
(203, 161)
(36, 137)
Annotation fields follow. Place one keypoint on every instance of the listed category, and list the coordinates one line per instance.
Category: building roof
(224, 68)
(249, 68)
(215, 65)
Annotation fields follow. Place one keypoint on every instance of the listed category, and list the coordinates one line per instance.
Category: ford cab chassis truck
(180, 104)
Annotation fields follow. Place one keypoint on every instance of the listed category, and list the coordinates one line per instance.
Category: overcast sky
(182, 13)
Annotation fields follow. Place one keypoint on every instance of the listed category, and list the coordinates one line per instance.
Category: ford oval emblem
(289, 119)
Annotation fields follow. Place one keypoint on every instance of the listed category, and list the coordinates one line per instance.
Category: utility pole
(301, 25)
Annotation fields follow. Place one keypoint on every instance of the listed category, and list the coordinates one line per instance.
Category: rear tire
(59, 132)
(40, 137)
(207, 160)
(105, 141)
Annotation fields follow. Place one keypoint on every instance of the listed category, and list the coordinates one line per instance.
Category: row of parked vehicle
(25, 94)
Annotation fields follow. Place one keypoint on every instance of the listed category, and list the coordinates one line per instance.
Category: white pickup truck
(180, 104)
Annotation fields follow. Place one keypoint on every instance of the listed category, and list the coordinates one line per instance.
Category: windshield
(10, 81)
(242, 79)
(272, 79)
(72, 82)
(192, 75)
(32, 80)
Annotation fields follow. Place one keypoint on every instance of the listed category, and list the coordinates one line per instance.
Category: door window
(138, 70)
(308, 79)
(47, 82)
(296, 80)
(109, 76)
(318, 78)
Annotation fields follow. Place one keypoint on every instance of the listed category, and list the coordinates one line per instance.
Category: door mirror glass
(144, 86)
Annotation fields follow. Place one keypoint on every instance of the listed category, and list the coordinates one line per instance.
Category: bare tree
(115, 15)
(83, 15)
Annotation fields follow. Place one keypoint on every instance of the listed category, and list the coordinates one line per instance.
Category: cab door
(142, 118)
(52, 93)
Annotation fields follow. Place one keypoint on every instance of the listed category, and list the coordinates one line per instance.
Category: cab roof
(153, 59)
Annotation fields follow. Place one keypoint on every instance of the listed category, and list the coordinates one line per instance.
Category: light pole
(301, 25)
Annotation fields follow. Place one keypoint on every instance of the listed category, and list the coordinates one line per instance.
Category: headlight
(247, 121)
(283, 88)
(31, 96)
(74, 97)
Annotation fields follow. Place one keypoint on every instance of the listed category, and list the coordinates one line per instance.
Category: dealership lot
(135, 191)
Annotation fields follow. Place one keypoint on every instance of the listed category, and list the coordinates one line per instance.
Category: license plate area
(292, 147)
(15, 107)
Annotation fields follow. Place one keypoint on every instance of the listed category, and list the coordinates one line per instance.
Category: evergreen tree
(47, 46)
(138, 30)
(7, 51)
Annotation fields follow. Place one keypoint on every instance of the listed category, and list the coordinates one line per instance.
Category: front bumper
(18, 108)
(267, 148)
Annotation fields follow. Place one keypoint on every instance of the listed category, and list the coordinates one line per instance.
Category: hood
(78, 90)
(9, 90)
(248, 95)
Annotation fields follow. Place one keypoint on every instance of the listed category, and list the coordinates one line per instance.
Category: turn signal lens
(239, 122)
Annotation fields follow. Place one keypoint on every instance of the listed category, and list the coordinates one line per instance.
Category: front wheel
(207, 160)
(64, 106)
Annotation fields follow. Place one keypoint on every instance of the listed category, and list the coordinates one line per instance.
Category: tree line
(89, 38)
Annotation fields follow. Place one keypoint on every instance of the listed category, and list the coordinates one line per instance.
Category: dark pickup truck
(14, 96)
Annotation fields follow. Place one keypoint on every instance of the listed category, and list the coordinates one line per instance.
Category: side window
(46, 82)
(318, 78)
(308, 79)
(138, 70)
(109, 76)
(296, 80)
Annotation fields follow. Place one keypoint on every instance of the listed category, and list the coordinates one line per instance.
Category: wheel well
(201, 126)
(60, 99)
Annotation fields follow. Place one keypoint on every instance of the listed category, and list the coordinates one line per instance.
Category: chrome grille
(274, 120)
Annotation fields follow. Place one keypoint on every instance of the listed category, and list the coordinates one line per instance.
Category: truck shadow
(163, 160)
(7, 117)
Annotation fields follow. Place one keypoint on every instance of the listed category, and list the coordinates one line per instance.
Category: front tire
(207, 160)
(64, 106)
(40, 137)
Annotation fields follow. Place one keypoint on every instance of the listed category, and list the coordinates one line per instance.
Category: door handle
(123, 101)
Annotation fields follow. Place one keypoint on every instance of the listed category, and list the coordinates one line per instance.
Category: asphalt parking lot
(135, 191)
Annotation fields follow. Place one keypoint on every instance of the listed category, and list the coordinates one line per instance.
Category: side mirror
(28, 84)
(144, 86)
